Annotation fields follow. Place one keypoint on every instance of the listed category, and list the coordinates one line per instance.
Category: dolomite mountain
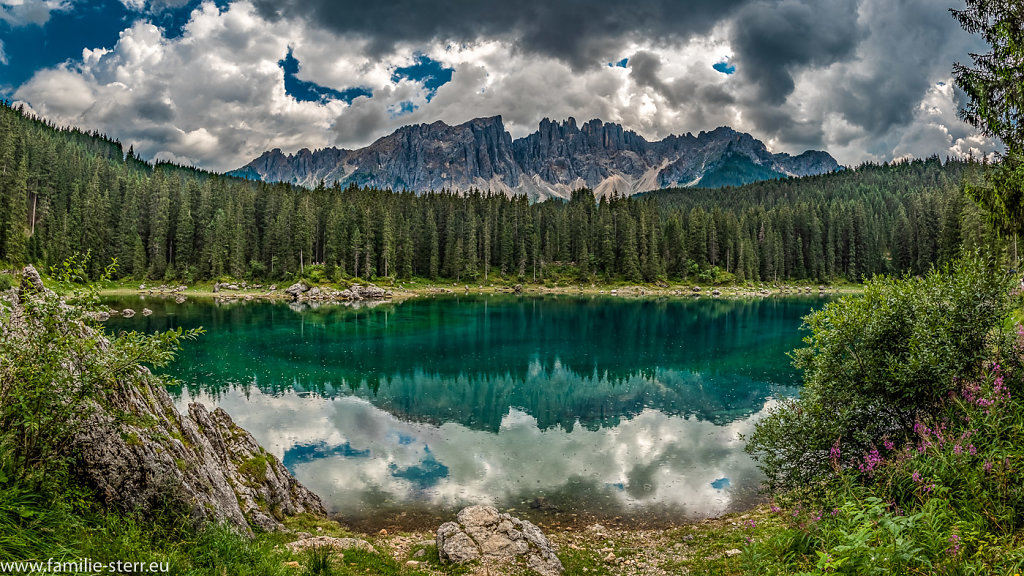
(552, 162)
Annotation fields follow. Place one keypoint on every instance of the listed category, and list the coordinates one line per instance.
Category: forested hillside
(64, 191)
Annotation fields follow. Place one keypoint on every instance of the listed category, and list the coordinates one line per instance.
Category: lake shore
(704, 546)
(402, 292)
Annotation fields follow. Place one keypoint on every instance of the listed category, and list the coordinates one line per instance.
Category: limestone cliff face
(553, 161)
(140, 453)
(150, 454)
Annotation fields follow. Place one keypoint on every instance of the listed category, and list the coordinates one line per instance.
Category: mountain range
(558, 158)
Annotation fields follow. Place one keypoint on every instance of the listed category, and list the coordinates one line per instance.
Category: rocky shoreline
(373, 294)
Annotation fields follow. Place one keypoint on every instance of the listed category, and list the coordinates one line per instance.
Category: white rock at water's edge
(495, 539)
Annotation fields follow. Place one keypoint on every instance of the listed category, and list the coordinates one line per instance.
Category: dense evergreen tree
(64, 190)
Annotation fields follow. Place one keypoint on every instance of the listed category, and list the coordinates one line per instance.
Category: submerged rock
(496, 540)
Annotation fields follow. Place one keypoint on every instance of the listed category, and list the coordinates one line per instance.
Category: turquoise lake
(561, 408)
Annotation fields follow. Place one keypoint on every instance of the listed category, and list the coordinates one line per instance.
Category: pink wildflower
(835, 452)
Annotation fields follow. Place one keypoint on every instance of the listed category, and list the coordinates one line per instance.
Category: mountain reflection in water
(590, 406)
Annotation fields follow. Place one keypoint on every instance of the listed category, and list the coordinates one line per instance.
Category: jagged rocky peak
(561, 156)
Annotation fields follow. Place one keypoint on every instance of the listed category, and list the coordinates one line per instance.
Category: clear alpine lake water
(563, 409)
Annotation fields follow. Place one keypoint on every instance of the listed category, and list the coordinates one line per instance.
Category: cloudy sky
(215, 83)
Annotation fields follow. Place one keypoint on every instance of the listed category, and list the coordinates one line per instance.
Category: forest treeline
(65, 191)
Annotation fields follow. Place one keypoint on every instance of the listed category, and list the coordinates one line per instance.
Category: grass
(255, 468)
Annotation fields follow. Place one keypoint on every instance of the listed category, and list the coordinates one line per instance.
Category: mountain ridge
(553, 161)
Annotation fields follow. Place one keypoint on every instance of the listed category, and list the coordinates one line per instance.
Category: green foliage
(255, 467)
(996, 103)
(909, 435)
(949, 501)
(56, 365)
(6, 282)
(876, 364)
(316, 273)
(994, 83)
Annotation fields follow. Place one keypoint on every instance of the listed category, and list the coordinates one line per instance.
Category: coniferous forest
(65, 191)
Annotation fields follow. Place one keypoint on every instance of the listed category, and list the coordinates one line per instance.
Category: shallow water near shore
(565, 409)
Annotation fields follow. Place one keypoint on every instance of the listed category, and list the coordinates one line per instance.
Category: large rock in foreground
(202, 462)
(141, 455)
(496, 540)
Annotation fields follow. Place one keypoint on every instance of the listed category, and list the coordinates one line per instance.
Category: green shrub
(876, 364)
(316, 273)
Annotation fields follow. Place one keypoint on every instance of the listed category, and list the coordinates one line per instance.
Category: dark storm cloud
(775, 39)
(891, 51)
(578, 32)
(911, 42)
(645, 69)
(871, 61)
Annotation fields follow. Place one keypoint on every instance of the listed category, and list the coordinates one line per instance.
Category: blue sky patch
(429, 472)
(314, 451)
(427, 71)
(31, 48)
(402, 108)
(98, 24)
(304, 91)
(620, 64)
(724, 67)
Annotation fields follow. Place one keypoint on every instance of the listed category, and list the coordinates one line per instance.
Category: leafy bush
(876, 364)
(257, 270)
(949, 501)
(316, 273)
(913, 413)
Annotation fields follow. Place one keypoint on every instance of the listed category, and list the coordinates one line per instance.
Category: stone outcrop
(336, 544)
(296, 289)
(140, 454)
(496, 540)
(353, 293)
(552, 162)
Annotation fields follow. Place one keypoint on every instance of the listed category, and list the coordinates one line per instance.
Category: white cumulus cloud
(215, 94)
(26, 12)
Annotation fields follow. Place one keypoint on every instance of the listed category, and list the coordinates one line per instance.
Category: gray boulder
(497, 540)
(31, 281)
(371, 292)
(295, 289)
